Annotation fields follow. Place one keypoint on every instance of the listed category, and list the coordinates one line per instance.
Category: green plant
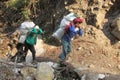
(18, 3)
(24, 6)
(26, 13)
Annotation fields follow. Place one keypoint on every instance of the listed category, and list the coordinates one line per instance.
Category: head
(77, 21)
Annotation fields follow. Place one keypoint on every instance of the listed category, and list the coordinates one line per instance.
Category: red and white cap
(77, 20)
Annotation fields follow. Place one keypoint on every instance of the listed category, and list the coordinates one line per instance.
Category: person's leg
(19, 47)
(64, 50)
(25, 50)
(32, 49)
(69, 49)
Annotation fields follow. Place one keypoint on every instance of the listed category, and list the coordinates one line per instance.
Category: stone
(116, 25)
(44, 72)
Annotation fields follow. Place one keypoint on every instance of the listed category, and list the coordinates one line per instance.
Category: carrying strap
(66, 30)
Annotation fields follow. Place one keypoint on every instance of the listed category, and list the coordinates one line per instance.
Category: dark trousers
(20, 47)
(31, 48)
(19, 54)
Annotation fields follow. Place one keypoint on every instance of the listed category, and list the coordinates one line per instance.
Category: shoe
(61, 64)
(12, 59)
(20, 59)
(34, 62)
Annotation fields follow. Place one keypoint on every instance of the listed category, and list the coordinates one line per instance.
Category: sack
(22, 39)
(71, 16)
(64, 22)
(24, 29)
(27, 25)
(67, 19)
(58, 34)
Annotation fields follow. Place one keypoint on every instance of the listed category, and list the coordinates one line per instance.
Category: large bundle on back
(67, 19)
(64, 22)
(24, 29)
(26, 26)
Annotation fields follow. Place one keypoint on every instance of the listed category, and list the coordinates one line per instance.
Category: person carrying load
(69, 32)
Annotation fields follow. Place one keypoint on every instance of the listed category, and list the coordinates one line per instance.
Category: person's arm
(34, 31)
(80, 32)
(72, 31)
(41, 31)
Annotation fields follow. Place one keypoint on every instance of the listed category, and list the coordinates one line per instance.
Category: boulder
(44, 72)
(116, 25)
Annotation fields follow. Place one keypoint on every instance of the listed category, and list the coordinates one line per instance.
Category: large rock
(29, 58)
(116, 25)
(28, 71)
(116, 33)
(44, 72)
(39, 46)
(112, 77)
(92, 76)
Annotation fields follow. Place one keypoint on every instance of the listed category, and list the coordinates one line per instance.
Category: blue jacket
(71, 32)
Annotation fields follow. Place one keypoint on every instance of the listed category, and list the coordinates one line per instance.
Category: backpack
(22, 38)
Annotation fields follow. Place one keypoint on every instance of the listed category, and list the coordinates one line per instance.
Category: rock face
(116, 25)
(112, 77)
(39, 46)
(92, 76)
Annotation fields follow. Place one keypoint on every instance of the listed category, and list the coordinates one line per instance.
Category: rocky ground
(88, 54)
(97, 50)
